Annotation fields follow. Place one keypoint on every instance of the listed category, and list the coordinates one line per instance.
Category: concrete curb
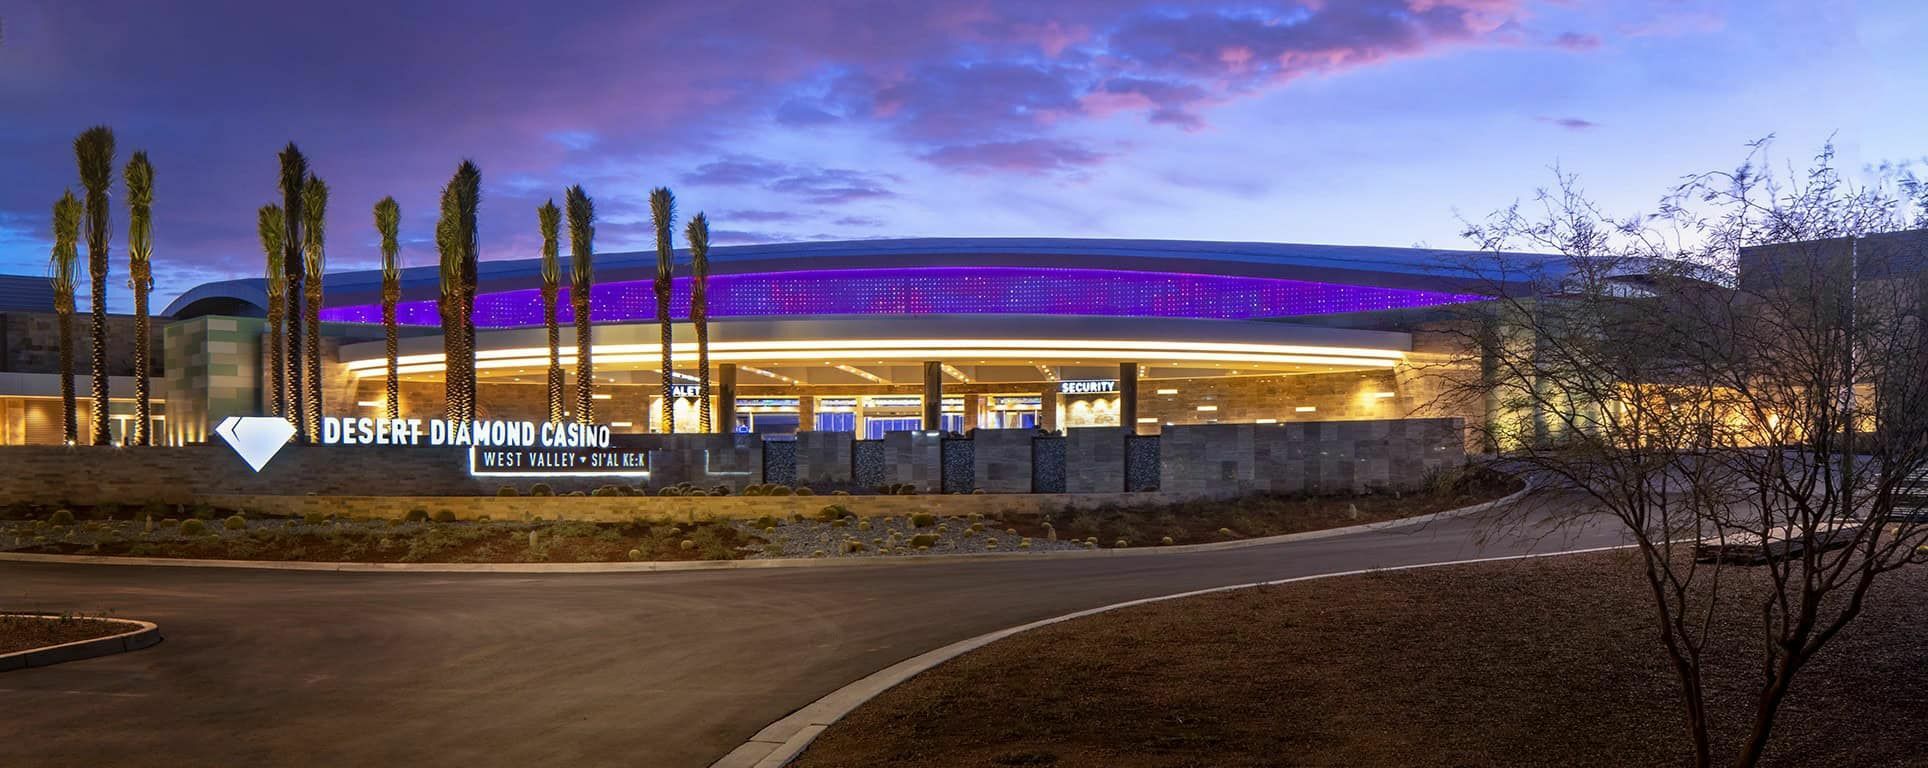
(781, 742)
(725, 565)
(144, 634)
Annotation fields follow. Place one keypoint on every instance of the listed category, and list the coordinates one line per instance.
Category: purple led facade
(939, 290)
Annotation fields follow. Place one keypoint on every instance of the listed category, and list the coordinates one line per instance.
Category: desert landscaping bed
(831, 532)
(1545, 662)
(25, 632)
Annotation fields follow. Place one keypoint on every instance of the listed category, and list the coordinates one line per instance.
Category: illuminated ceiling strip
(861, 373)
(1093, 354)
(955, 373)
(968, 347)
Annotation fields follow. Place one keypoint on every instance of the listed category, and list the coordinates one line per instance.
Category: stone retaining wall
(682, 509)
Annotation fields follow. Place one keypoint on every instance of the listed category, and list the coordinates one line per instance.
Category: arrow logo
(256, 438)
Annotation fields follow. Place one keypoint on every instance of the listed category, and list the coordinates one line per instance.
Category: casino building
(876, 336)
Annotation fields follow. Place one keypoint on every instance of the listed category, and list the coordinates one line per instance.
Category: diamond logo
(256, 438)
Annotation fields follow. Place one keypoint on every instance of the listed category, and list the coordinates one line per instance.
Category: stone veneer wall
(215, 372)
(1094, 460)
(1200, 460)
(1322, 457)
(30, 342)
(824, 457)
(1001, 460)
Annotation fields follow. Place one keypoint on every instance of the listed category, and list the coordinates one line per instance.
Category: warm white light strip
(770, 374)
(1208, 408)
(921, 348)
(1305, 409)
(1049, 375)
(600, 396)
(861, 373)
(1092, 354)
(370, 403)
(1168, 391)
(955, 373)
(1383, 395)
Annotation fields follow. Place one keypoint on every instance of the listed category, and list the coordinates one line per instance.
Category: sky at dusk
(1370, 122)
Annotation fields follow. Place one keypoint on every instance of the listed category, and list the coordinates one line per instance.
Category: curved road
(647, 669)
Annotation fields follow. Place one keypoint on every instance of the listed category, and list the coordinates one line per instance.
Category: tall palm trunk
(314, 209)
(662, 210)
(271, 225)
(468, 202)
(139, 175)
(61, 272)
(582, 236)
(699, 237)
(294, 177)
(549, 218)
(450, 301)
(94, 153)
(388, 217)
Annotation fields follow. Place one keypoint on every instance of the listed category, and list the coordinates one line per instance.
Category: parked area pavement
(620, 669)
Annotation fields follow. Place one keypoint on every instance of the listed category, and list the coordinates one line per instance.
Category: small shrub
(686, 545)
(1167, 541)
(805, 491)
(541, 489)
(922, 520)
(607, 491)
(235, 523)
(841, 522)
(1121, 544)
(61, 517)
(830, 513)
(416, 516)
(764, 521)
(817, 553)
(314, 518)
(578, 494)
(168, 522)
(755, 489)
(771, 530)
(444, 516)
(507, 490)
(1227, 533)
(924, 540)
(1024, 544)
(990, 543)
(635, 554)
(840, 493)
(782, 490)
(193, 527)
(853, 546)
(863, 525)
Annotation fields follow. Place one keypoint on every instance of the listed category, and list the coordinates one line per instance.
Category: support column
(1048, 407)
(1128, 397)
(806, 411)
(933, 395)
(725, 408)
(973, 410)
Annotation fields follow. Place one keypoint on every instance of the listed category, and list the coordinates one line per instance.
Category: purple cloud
(1029, 155)
(1569, 123)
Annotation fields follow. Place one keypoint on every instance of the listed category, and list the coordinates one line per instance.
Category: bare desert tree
(1736, 378)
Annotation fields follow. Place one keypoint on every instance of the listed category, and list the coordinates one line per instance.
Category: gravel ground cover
(1547, 662)
(831, 532)
(21, 632)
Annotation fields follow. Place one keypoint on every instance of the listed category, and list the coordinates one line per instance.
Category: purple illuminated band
(940, 290)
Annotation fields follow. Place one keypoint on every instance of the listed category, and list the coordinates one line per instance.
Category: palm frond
(272, 225)
(314, 213)
(388, 222)
(139, 175)
(94, 154)
(582, 237)
(662, 211)
(63, 266)
(698, 233)
(549, 218)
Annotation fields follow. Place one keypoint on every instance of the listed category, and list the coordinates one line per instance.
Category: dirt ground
(1546, 662)
(19, 633)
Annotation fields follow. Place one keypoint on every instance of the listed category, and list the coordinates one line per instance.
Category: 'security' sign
(1088, 386)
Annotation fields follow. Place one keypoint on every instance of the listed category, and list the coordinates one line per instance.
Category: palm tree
(139, 175)
(272, 226)
(582, 236)
(468, 200)
(451, 273)
(662, 209)
(699, 237)
(294, 177)
(314, 207)
(549, 217)
(63, 268)
(388, 217)
(94, 153)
